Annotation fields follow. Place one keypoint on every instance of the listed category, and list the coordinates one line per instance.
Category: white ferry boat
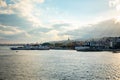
(85, 48)
(80, 48)
(31, 47)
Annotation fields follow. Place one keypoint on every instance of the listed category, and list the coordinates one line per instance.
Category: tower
(68, 39)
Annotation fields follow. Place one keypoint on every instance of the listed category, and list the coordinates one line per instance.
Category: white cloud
(53, 35)
(13, 34)
(107, 28)
(117, 19)
(25, 9)
(115, 3)
(5, 8)
(65, 22)
(7, 11)
(10, 30)
(38, 1)
(3, 3)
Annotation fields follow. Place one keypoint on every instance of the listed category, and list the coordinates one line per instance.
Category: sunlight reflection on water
(58, 65)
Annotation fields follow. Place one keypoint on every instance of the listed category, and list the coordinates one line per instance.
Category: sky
(28, 21)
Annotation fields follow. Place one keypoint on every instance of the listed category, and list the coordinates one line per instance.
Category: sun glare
(117, 19)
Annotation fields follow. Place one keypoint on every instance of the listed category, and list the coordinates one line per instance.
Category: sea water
(58, 65)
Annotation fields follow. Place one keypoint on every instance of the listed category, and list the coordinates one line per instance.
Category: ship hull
(29, 48)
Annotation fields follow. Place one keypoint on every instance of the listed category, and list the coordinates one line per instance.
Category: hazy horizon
(28, 21)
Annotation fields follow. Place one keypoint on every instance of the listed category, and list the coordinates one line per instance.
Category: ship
(31, 47)
(87, 49)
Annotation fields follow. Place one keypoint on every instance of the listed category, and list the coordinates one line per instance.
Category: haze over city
(24, 21)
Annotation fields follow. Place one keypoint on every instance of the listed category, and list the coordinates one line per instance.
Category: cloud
(16, 34)
(15, 20)
(61, 25)
(26, 9)
(4, 7)
(64, 27)
(38, 1)
(46, 35)
(10, 31)
(6, 11)
(26, 20)
(53, 35)
(115, 4)
(23, 8)
(103, 29)
(3, 3)
(13, 34)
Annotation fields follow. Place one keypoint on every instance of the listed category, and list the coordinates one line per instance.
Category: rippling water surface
(58, 65)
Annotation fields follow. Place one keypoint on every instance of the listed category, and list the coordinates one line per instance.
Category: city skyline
(50, 20)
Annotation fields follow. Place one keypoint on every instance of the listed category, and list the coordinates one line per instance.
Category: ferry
(81, 48)
(86, 49)
(31, 47)
(116, 51)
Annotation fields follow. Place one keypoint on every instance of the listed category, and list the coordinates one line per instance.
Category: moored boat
(116, 51)
(86, 49)
(31, 47)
